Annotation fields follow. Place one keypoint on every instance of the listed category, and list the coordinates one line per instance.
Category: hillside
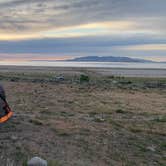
(107, 59)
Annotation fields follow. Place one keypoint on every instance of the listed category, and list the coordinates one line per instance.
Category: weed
(84, 78)
(61, 132)
(36, 122)
(120, 111)
(115, 123)
(163, 145)
(100, 120)
(135, 130)
(160, 119)
(54, 163)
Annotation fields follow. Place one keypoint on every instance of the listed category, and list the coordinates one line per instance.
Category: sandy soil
(103, 122)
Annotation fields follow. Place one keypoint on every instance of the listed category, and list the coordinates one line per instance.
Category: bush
(84, 78)
(120, 111)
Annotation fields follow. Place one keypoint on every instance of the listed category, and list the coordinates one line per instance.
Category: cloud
(83, 27)
(84, 46)
(22, 16)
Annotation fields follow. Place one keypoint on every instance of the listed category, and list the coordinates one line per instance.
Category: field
(83, 118)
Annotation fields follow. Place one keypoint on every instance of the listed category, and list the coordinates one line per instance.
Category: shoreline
(105, 71)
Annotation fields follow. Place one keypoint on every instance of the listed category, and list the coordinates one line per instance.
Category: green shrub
(120, 111)
(84, 78)
(160, 119)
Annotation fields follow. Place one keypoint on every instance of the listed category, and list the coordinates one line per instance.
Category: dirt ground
(96, 123)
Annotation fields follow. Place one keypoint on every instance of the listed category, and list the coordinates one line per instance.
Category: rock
(151, 148)
(114, 82)
(98, 119)
(60, 78)
(37, 161)
(14, 138)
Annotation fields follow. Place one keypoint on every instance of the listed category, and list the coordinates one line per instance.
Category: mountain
(107, 59)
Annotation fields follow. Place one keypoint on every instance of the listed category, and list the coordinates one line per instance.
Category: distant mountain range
(107, 59)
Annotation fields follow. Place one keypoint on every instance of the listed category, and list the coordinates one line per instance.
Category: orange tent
(5, 111)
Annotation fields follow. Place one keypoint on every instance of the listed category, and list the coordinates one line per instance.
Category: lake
(89, 64)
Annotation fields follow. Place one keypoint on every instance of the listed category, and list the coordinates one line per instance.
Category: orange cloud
(98, 28)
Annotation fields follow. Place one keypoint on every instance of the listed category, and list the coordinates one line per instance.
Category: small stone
(114, 82)
(14, 138)
(60, 78)
(151, 148)
(37, 161)
(98, 119)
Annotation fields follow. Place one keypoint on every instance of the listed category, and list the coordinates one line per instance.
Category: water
(89, 64)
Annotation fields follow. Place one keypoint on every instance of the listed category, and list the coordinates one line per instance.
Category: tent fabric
(2, 92)
(5, 111)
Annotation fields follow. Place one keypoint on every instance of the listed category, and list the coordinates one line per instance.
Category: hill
(107, 59)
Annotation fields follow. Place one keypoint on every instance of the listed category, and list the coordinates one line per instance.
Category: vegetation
(84, 78)
(108, 120)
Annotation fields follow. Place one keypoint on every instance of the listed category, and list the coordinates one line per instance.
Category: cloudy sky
(60, 29)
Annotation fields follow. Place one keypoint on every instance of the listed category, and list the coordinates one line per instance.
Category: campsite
(84, 119)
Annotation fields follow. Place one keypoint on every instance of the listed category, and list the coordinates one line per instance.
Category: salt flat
(127, 72)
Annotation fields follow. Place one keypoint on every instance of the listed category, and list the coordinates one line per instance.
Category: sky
(62, 29)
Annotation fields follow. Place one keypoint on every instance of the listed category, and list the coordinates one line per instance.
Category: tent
(5, 111)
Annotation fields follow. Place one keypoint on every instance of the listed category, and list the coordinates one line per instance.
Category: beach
(84, 116)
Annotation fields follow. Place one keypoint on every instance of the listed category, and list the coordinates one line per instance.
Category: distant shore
(125, 72)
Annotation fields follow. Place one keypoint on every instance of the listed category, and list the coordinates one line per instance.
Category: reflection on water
(88, 64)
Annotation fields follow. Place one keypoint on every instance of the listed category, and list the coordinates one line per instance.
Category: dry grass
(84, 124)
